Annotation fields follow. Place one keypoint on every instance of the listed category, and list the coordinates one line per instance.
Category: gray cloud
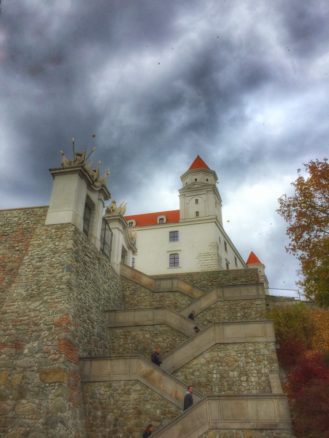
(244, 84)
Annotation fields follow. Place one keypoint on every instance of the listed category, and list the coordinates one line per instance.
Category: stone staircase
(231, 364)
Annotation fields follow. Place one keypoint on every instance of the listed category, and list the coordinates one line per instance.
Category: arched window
(173, 260)
(161, 219)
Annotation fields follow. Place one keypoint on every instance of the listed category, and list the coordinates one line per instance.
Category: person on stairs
(155, 356)
(148, 431)
(188, 399)
(192, 315)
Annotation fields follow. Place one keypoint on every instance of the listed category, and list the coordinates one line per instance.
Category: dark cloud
(244, 84)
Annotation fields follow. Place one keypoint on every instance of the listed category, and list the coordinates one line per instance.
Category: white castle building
(191, 239)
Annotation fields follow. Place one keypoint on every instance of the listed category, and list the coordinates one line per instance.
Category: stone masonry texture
(55, 290)
(124, 409)
(144, 339)
(232, 369)
(209, 280)
(232, 310)
(52, 314)
(139, 297)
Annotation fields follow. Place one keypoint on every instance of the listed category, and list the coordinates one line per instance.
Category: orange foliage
(307, 215)
(320, 338)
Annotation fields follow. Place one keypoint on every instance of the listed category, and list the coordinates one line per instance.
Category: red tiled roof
(148, 219)
(198, 163)
(253, 259)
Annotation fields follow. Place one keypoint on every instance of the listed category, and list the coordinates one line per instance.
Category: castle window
(227, 263)
(196, 214)
(225, 246)
(173, 260)
(133, 262)
(207, 179)
(161, 219)
(124, 255)
(195, 179)
(106, 239)
(235, 261)
(196, 201)
(173, 236)
(131, 223)
(88, 215)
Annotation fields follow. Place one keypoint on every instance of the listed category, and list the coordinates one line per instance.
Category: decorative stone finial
(80, 159)
(113, 210)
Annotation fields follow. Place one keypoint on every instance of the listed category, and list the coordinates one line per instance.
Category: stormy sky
(243, 83)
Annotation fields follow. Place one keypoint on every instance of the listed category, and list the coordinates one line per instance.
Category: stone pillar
(122, 240)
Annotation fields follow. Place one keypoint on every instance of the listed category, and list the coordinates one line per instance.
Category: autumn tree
(307, 215)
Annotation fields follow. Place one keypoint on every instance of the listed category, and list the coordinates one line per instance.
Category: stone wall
(209, 280)
(17, 228)
(53, 313)
(139, 297)
(123, 409)
(143, 339)
(233, 310)
(232, 369)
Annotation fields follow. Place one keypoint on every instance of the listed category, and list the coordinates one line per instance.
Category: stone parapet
(136, 296)
(209, 280)
(231, 413)
(160, 283)
(225, 333)
(234, 293)
(135, 368)
(126, 318)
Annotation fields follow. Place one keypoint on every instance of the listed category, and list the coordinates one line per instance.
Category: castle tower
(199, 196)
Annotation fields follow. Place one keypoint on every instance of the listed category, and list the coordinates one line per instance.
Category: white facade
(77, 197)
(191, 240)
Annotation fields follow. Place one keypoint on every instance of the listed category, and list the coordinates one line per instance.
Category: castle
(85, 298)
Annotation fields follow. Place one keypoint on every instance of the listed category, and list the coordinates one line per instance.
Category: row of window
(174, 261)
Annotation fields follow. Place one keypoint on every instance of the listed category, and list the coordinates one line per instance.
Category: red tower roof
(198, 163)
(253, 259)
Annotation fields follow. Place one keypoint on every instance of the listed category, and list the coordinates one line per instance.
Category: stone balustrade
(229, 333)
(250, 412)
(135, 368)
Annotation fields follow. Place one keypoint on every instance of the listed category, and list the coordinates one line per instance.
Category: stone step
(142, 317)
(268, 413)
(160, 284)
(135, 368)
(248, 331)
(240, 292)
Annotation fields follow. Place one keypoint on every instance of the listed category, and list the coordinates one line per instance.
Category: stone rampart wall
(242, 368)
(232, 310)
(95, 289)
(53, 313)
(144, 339)
(138, 297)
(209, 280)
(17, 228)
(123, 409)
